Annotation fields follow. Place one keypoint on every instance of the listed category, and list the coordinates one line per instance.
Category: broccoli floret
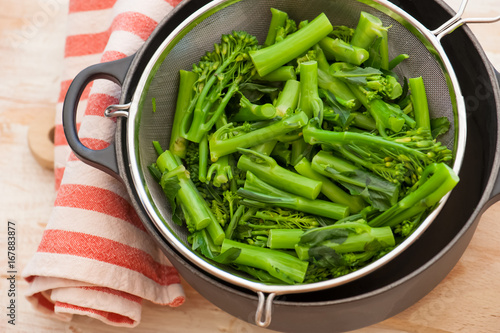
(220, 73)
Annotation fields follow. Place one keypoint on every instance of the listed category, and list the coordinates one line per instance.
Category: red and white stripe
(95, 257)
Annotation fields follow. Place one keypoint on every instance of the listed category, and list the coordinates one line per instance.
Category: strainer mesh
(254, 16)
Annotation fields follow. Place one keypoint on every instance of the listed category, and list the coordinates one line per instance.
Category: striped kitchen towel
(95, 257)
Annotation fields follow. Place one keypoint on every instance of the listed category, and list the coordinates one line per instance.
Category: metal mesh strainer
(198, 34)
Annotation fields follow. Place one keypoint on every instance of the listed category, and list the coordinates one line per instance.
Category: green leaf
(317, 236)
(380, 193)
(228, 256)
(324, 256)
(170, 187)
(155, 172)
(254, 92)
(344, 113)
(439, 126)
(204, 244)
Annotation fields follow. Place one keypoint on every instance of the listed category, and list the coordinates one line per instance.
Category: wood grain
(31, 44)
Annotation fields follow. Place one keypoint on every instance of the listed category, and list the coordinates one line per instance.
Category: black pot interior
(459, 216)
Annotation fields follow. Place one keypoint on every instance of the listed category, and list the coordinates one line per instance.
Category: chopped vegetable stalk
(284, 238)
(187, 80)
(279, 264)
(221, 168)
(310, 103)
(282, 74)
(337, 49)
(190, 198)
(430, 190)
(379, 192)
(253, 112)
(187, 193)
(339, 89)
(369, 30)
(344, 238)
(419, 100)
(329, 189)
(260, 191)
(272, 57)
(288, 99)
(267, 169)
(219, 146)
(278, 20)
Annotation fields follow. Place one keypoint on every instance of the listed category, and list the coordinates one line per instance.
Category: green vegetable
(187, 80)
(257, 190)
(337, 49)
(371, 35)
(329, 189)
(246, 136)
(223, 69)
(267, 169)
(281, 265)
(375, 190)
(305, 158)
(270, 58)
(288, 98)
(437, 180)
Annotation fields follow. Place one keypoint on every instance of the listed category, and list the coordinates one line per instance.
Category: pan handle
(115, 71)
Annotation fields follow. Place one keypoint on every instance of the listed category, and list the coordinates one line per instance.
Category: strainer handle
(457, 21)
(104, 159)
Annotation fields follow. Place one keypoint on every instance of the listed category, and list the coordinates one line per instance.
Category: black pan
(401, 282)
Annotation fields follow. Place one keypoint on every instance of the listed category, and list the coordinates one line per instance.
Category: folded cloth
(95, 257)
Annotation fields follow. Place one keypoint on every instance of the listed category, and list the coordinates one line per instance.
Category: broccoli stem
(267, 169)
(278, 19)
(278, 264)
(253, 112)
(348, 174)
(369, 29)
(234, 221)
(357, 241)
(272, 57)
(419, 101)
(200, 125)
(282, 74)
(283, 238)
(222, 169)
(430, 191)
(314, 135)
(363, 121)
(310, 102)
(380, 111)
(321, 58)
(282, 153)
(220, 147)
(339, 89)
(265, 148)
(203, 159)
(299, 150)
(329, 189)
(288, 99)
(187, 194)
(186, 82)
(338, 50)
(397, 60)
(257, 190)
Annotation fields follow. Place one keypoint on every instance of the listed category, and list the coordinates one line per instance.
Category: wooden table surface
(31, 44)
